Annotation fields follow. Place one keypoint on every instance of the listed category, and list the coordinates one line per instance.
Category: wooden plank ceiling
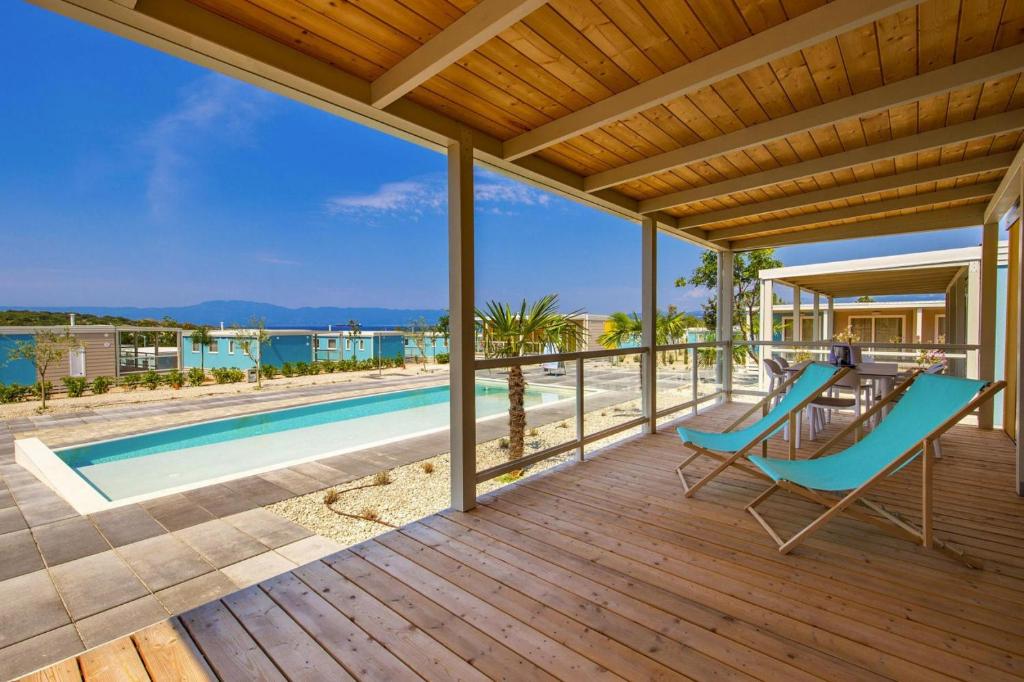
(895, 281)
(911, 69)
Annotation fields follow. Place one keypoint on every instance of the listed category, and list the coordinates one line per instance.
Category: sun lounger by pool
(928, 405)
(730, 446)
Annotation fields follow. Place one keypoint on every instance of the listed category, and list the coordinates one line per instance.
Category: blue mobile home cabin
(226, 349)
(366, 345)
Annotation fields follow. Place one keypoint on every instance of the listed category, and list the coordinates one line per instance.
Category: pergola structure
(732, 125)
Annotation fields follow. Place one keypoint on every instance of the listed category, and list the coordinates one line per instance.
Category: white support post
(972, 319)
(649, 305)
(919, 325)
(1019, 331)
(462, 357)
(797, 327)
(987, 332)
(816, 324)
(765, 331)
(724, 316)
(830, 328)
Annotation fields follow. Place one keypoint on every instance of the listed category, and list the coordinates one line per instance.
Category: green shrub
(14, 393)
(35, 389)
(175, 379)
(196, 376)
(75, 386)
(227, 375)
(268, 371)
(130, 382)
(151, 380)
(101, 385)
(301, 368)
(315, 367)
(442, 358)
(287, 369)
(328, 366)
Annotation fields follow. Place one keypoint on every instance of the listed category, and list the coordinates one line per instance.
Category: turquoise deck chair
(928, 406)
(730, 446)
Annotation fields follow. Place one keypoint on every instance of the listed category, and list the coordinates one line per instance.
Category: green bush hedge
(175, 379)
(151, 380)
(14, 393)
(196, 376)
(101, 385)
(268, 371)
(442, 358)
(75, 386)
(130, 382)
(227, 375)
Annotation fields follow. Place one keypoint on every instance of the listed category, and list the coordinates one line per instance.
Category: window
(196, 346)
(806, 329)
(329, 344)
(940, 329)
(348, 344)
(231, 347)
(362, 344)
(878, 328)
(214, 345)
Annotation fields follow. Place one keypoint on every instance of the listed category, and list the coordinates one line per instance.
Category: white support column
(987, 313)
(830, 328)
(649, 308)
(972, 318)
(1019, 331)
(726, 264)
(461, 282)
(765, 331)
(816, 324)
(797, 327)
(919, 325)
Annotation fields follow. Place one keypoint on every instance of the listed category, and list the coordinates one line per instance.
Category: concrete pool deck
(69, 582)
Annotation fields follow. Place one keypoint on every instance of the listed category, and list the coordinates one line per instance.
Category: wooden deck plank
(65, 671)
(170, 654)
(116, 661)
(293, 651)
(605, 570)
(228, 648)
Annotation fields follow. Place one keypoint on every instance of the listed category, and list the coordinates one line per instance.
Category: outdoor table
(884, 373)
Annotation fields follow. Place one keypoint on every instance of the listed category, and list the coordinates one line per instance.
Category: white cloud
(212, 110)
(428, 194)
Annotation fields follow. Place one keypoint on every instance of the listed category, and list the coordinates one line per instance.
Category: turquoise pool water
(179, 457)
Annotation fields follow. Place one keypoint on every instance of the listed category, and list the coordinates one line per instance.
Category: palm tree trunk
(516, 412)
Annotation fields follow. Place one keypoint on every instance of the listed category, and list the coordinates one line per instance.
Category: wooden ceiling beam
(786, 38)
(942, 219)
(465, 34)
(981, 164)
(932, 139)
(988, 67)
(921, 200)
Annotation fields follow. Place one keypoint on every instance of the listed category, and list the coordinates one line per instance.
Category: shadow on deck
(604, 570)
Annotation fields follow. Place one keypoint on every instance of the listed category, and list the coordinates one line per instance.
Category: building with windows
(226, 350)
(366, 345)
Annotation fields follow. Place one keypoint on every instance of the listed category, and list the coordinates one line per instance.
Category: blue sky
(130, 177)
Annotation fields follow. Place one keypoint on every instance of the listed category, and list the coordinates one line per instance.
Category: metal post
(765, 331)
(694, 378)
(987, 317)
(797, 327)
(579, 408)
(830, 330)
(649, 275)
(816, 322)
(972, 319)
(725, 315)
(460, 305)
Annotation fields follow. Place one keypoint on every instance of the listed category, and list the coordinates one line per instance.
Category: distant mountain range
(241, 312)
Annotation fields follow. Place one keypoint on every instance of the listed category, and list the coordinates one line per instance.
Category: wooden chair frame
(735, 459)
(881, 517)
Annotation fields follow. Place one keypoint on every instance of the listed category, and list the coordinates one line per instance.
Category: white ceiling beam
(988, 67)
(961, 132)
(858, 211)
(465, 34)
(981, 164)
(1006, 195)
(786, 38)
(942, 219)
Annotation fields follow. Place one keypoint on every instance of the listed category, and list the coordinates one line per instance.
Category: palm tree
(203, 337)
(354, 330)
(511, 333)
(624, 328)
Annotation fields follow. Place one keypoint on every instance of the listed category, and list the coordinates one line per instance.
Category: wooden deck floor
(603, 570)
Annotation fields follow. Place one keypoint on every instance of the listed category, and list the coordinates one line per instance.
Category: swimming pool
(137, 467)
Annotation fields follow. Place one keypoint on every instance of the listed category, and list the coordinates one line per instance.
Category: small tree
(47, 348)
(354, 330)
(251, 343)
(204, 338)
(417, 331)
(442, 327)
(746, 288)
(865, 299)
